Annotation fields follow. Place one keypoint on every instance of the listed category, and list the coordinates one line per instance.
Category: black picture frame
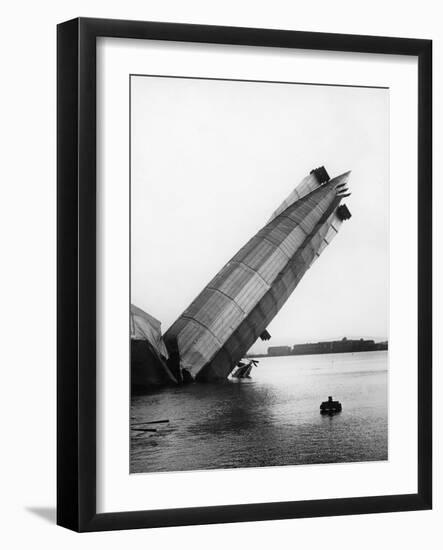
(76, 266)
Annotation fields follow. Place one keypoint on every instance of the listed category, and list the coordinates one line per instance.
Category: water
(272, 419)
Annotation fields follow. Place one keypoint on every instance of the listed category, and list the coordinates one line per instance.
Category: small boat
(330, 406)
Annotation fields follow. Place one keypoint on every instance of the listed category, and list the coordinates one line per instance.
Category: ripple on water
(270, 420)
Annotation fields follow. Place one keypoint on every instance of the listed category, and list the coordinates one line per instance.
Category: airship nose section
(342, 178)
(341, 184)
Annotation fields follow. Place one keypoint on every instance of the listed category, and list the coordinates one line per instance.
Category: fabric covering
(146, 327)
(231, 312)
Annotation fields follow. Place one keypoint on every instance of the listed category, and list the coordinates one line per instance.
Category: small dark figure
(330, 406)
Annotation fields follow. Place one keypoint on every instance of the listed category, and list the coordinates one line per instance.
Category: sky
(211, 160)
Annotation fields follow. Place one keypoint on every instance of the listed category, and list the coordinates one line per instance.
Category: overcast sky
(211, 160)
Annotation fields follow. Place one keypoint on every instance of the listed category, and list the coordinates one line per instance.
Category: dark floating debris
(139, 427)
(244, 369)
(330, 406)
(151, 422)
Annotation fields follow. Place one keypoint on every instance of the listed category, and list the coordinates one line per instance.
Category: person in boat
(330, 406)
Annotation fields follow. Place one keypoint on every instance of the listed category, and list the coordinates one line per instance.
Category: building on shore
(279, 350)
(222, 323)
(344, 345)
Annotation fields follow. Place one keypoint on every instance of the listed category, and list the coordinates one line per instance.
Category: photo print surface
(259, 307)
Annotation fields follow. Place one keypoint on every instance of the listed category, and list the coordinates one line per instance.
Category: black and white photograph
(221, 219)
(259, 262)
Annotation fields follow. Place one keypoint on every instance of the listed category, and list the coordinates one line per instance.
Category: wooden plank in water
(150, 422)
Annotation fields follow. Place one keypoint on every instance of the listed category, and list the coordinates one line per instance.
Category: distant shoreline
(264, 355)
(345, 345)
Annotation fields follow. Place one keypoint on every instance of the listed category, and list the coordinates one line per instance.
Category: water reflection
(271, 419)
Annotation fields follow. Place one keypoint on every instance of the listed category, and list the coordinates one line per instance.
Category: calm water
(271, 419)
